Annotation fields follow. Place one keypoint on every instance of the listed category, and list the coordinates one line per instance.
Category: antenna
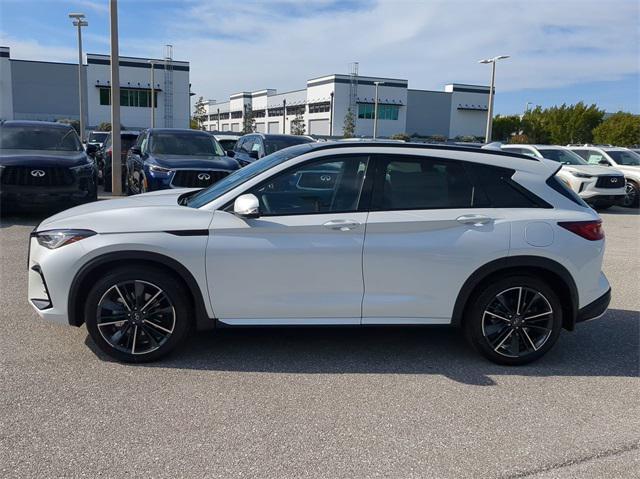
(168, 86)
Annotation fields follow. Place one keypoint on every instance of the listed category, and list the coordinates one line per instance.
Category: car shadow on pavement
(605, 347)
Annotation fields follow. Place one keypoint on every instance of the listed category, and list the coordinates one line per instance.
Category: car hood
(196, 162)
(630, 171)
(593, 170)
(157, 211)
(41, 158)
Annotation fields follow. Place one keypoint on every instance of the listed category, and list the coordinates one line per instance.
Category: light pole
(493, 61)
(79, 21)
(116, 158)
(153, 96)
(375, 110)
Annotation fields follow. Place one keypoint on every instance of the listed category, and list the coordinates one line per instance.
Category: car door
(429, 228)
(241, 152)
(300, 261)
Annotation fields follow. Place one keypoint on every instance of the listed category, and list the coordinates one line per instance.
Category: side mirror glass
(254, 154)
(246, 206)
(231, 153)
(135, 150)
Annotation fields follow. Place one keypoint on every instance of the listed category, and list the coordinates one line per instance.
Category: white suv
(622, 159)
(599, 186)
(332, 233)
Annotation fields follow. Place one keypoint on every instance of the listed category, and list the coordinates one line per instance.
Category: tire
(490, 330)
(602, 206)
(632, 198)
(130, 332)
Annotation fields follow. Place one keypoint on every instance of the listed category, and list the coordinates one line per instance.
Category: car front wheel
(137, 314)
(514, 321)
(632, 195)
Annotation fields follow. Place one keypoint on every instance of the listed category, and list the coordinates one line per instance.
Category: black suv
(254, 146)
(43, 163)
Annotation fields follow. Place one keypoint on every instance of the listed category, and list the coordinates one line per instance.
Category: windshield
(565, 157)
(184, 144)
(238, 177)
(626, 158)
(39, 138)
(274, 144)
(97, 136)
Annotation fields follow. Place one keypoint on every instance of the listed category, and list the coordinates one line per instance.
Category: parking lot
(375, 402)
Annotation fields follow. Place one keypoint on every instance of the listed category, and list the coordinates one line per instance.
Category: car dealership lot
(385, 402)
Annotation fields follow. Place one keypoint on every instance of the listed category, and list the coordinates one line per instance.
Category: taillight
(589, 230)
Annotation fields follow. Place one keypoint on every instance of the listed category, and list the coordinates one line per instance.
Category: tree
(199, 113)
(349, 128)
(401, 136)
(573, 123)
(297, 125)
(504, 127)
(248, 121)
(534, 126)
(620, 129)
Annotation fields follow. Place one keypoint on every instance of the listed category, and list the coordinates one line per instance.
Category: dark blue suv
(175, 158)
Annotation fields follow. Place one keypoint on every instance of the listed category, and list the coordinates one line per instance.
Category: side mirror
(231, 153)
(91, 149)
(246, 206)
(135, 150)
(254, 154)
(603, 162)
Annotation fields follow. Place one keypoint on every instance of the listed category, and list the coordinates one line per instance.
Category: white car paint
(581, 178)
(359, 267)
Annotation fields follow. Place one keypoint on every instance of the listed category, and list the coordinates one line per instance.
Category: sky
(562, 51)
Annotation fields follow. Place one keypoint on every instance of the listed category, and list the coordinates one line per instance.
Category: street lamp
(79, 21)
(375, 110)
(493, 61)
(153, 96)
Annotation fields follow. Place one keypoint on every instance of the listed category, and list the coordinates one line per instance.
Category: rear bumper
(595, 309)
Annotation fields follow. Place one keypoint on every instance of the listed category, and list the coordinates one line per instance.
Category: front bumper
(595, 309)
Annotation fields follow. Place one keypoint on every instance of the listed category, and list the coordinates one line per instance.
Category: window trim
(364, 202)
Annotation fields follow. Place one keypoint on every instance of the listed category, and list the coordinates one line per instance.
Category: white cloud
(34, 50)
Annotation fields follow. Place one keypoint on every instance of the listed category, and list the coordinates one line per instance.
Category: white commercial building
(48, 91)
(459, 110)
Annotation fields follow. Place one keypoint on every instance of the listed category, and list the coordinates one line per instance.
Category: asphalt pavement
(331, 403)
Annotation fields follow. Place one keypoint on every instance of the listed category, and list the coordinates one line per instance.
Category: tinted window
(184, 144)
(498, 190)
(423, 183)
(565, 157)
(625, 157)
(39, 138)
(127, 141)
(227, 145)
(272, 145)
(328, 186)
(584, 154)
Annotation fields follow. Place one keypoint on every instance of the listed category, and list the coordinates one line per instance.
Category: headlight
(577, 174)
(53, 239)
(160, 170)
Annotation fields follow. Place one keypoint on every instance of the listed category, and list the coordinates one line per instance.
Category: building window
(385, 112)
(130, 97)
(276, 111)
(236, 114)
(258, 113)
(321, 107)
(295, 110)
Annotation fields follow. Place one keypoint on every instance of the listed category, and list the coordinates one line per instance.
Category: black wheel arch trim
(202, 319)
(520, 262)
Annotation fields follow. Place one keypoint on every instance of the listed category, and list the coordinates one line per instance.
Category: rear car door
(300, 262)
(430, 227)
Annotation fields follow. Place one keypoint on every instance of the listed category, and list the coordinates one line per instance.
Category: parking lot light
(493, 61)
(79, 21)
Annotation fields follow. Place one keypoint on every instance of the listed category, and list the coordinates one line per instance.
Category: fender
(519, 262)
(75, 318)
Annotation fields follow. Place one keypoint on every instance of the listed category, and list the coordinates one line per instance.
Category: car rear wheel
(514, 321)
(137, 314)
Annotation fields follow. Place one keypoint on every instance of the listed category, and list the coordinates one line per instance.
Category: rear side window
(498, 190)
(422, 183)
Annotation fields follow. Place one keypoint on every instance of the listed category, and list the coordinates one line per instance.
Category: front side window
(594, 157)
(626, 158)
(39, 138)
(423, 183)
(333, 185)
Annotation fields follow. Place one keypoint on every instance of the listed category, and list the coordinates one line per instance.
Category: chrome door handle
(475, 220)
(341, 225)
